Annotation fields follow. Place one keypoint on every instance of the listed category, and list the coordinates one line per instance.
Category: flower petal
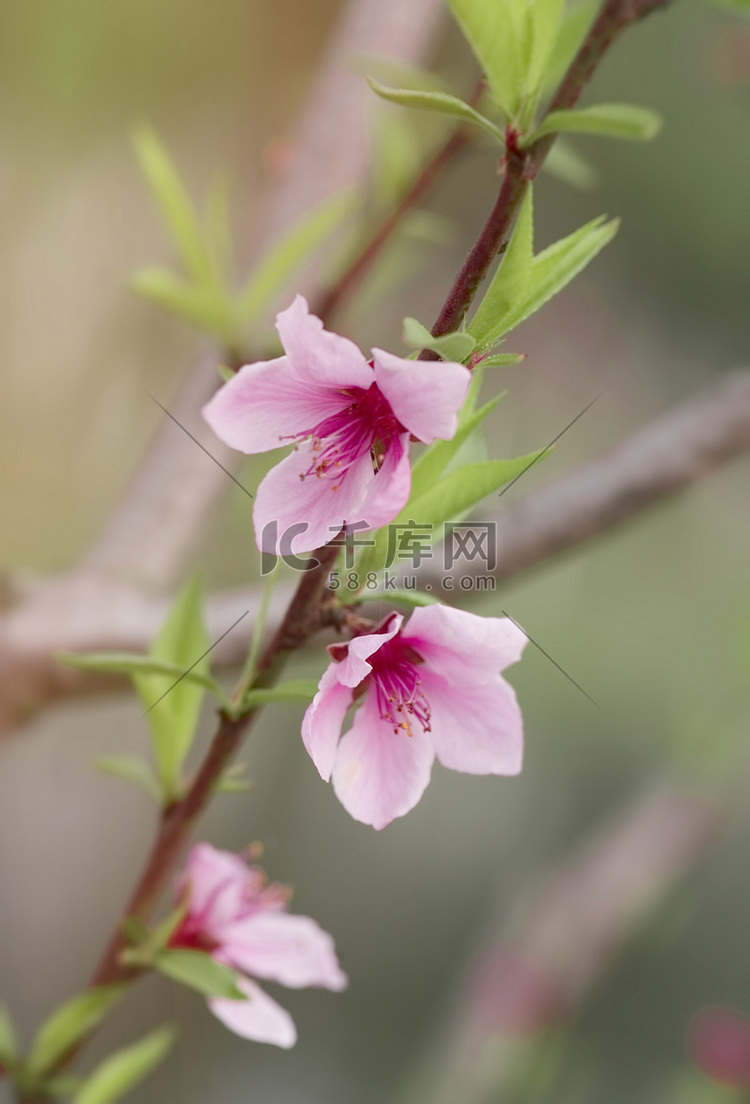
(425, 396)
(266, 404)
(389, 491)
(318, 355)
(308, 512)
(354, 668)
(217, 882)
(476, 730)
(379, 774)
(292, 950)
(323, 721)
(463, 647)
(259, 1017)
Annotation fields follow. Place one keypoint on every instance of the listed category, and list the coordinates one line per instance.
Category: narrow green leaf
(174, 203)
(456, 346)
(132, 769)
(199, 971)
(69, 1024)
(290, 252)
(62, 1084)
(636, 124)
(431, 464)
(554, 268)
(499, 33)
(502, 360)
(400, 597)
(465, 487)
(8, 1039)
(295, 690)
(511, 281)
(202, 306)
(173, 706)
(565, 163)
(232, 781)
(131, 663)
(545, 28)
(445, 500)
(574, 26)
(124, 1069)
(441, 102)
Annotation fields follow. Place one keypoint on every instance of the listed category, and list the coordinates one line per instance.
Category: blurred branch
(111, 600)
(521, 986)
(83, 611)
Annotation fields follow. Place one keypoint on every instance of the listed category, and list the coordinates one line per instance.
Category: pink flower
(430, 689)
(241, 921)
(719, 1045)
(350, 420)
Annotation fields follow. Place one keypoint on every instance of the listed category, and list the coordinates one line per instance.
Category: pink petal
(464, 648)
(380, 775)
(308, 508)
(259, 1017)
(323, 721)
(425, 396)
(266, 404)
(354, 668)
(390, 489)
(317, 354)
(217, 882)
(292, 950)
(476, 730)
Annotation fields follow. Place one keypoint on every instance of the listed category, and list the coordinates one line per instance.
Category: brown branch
(668, 455)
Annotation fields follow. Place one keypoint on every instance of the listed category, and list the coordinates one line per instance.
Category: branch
(91, 614)
(111, 601)
(522, 165)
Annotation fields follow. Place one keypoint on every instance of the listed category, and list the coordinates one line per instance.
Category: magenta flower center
(366, 424)
(398, 687)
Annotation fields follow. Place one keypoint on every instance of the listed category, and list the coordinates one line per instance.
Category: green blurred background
(652, 621)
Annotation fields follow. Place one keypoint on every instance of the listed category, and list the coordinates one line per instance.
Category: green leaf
(124, 1069)
(554, 268)
(62, 1084)
(456, 346)
(448, 498)
(463, 488)
(502, 360)
(202, 306)
(574, 27)
(232, 780)
(132, 663)
(431, 464)
(69, 1024)
(500, 34)
(290, 252)
(400, 597)
(511, 281)
(199, 971)
(174, 203)
(637, 124)
(173, 707)
(295, 690)
(545, 28)
(132, 769)
(8, 1039)
(441, 102)
(565, 163)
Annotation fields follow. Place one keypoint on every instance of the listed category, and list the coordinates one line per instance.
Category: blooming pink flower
(350, 420)
(432, 688)
(240, 920)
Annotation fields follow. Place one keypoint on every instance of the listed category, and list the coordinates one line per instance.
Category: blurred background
(652, 621)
